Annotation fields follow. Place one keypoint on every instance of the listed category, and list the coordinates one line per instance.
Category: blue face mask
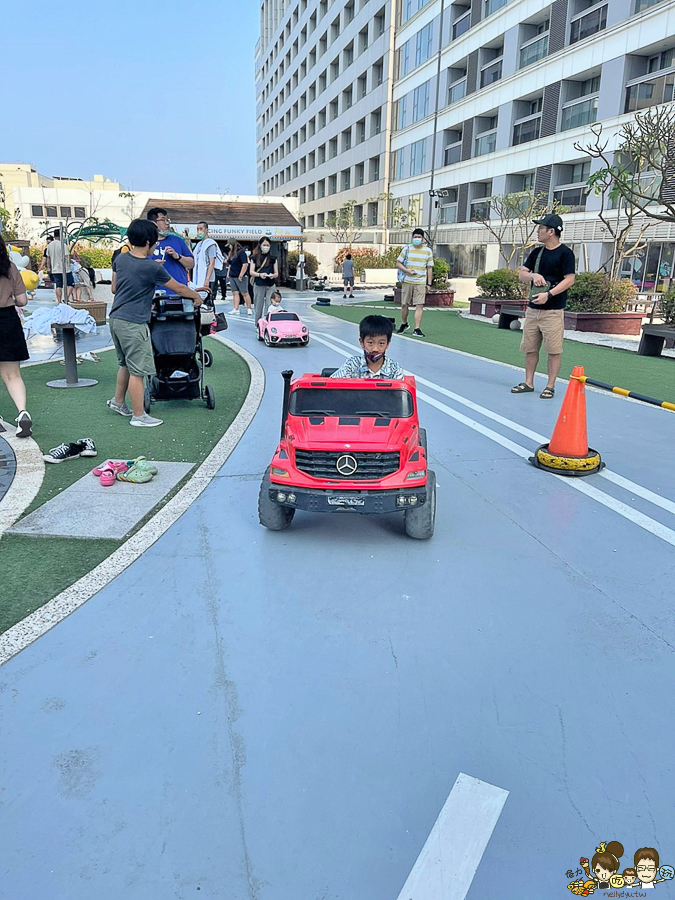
(163, 233)
(200, 236)
(417, 242)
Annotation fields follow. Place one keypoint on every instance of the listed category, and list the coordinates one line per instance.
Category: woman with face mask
(264, 272)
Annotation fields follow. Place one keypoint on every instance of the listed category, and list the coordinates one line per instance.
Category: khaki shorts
(413, 294)
(133, 345)
(547, 325)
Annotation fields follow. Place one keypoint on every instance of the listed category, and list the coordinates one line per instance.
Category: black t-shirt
(554, 266)
(267, 266)
(237, 263)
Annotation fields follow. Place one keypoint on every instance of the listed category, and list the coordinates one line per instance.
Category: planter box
(488, 306)
(604, 323)
(435, 297)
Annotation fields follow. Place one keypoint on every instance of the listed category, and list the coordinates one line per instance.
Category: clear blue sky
(159, 96)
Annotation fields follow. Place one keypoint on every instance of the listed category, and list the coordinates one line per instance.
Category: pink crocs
(115, 465)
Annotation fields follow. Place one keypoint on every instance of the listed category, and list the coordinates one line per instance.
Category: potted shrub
(596, 303)
(497, 288)
(667, 313)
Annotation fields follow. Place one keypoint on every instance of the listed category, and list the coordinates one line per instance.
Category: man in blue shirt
(171, 250)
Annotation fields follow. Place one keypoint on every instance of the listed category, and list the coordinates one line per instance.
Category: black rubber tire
(146, 399)
(419, 522)
(210, 397)
(268, 342)
(270, 514)
(208, 359)
(306, 344)
(259, 337)
(423, 440)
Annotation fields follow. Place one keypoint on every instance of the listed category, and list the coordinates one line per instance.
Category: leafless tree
(344, 226)
(512, 226)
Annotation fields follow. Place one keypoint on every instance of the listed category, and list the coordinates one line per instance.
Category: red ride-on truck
(350, 445)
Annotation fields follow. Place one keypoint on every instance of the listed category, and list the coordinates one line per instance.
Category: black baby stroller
(180, 358)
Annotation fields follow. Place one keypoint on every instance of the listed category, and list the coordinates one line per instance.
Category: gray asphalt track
(281, 716)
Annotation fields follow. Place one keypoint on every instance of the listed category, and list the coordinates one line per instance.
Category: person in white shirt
(207, 258)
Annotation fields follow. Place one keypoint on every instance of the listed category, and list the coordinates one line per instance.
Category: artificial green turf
(35, 569)
(653, 376)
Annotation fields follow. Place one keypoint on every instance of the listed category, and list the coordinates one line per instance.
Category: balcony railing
(584, 113)
(533, 51)
(649, 93)
(572, 198)
(526, 131)
(491, 73)
(486, 143)
(456, 91)
(589, 24)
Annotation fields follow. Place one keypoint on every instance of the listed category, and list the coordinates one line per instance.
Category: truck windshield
(389, 402)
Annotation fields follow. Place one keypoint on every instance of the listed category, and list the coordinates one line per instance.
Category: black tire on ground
(268, 342)
(210, 397)
(208, 359)
(270, 514)
(419, 522)
(306, 344)
(259, 337)
(423, 440)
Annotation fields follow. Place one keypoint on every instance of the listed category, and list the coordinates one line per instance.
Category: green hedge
(595, 292)
(311, 263)
(502, 284)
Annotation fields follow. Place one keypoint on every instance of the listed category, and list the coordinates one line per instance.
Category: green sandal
(522, 388)
(142, 462)
(135, 475)
(547, 394)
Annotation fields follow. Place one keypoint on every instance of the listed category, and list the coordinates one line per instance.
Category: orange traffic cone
(568, 452)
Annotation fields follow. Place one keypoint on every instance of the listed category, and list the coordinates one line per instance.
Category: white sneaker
(233, 312)
(145, 421)
(120, 408)
(249, 312)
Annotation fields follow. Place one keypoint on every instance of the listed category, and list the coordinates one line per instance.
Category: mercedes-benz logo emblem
(346, 465)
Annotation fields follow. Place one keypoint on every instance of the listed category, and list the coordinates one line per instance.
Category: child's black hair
(142, 232)
(375, 326)
(418, 231)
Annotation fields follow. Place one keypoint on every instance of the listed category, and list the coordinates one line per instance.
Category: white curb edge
(19, 636)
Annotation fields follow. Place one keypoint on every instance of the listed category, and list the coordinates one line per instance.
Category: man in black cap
(550, 270)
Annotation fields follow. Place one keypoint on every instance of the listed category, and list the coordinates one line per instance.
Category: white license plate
(346, 501)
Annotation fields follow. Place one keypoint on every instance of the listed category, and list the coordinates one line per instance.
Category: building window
(374, 169)
(333, 147)
(584, 113)
(418, 157)
(346, 179)
(332, 184)
(310, 221)
(401, 113)
(588, 24)
(80, 212)
(334, 110)
(346, 140)
(486, 140)
(321, 185)
(363, 40)
(523, 132)
(397, 165)
(358, 216)
(452, 149)
(303, 195)
(493, 5)
(360, 174)
(378, 73)
(408, 8)
(447, 213)
(643, 94)
(421, 101)
(571, 188)
(321, 220)
(360, 131)
(641, 5)
(461, 19)
(456, 84)
(376, 122)
(65, 211)
(491, 70)
(373, 209)
(37, 212)
(311, 193)
(362, 87)
(535, 48)
(379, 22)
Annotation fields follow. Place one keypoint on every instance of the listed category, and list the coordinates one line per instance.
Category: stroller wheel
(208, 359)
(210, 397)
(146, 399)
(154, 386)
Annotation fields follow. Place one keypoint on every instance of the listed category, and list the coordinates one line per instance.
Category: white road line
(627, 512)
(448, 862)
(625, 483)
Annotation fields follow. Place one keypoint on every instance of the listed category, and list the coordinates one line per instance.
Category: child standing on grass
(134, 280)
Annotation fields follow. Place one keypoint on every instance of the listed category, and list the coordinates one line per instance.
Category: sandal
(108, 476)
(142, 463)
(114, 464)
(548, 393)
(522, 388)
(135, 475)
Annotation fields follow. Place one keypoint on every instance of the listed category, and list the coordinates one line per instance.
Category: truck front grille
(369, 466)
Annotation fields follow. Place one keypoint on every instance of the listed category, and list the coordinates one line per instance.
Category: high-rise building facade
(324, 81)
(518, 83)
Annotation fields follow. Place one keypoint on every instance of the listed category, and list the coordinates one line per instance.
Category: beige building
(43, 201)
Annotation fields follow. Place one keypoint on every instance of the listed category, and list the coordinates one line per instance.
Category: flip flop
(522, 388)
(547, 394)
(135, 475)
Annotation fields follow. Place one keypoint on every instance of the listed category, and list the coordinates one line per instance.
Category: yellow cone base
(567, 465)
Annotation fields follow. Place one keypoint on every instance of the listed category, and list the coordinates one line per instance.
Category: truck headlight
(419, 473)
(280, 473)
(281, 497)
(401, 500)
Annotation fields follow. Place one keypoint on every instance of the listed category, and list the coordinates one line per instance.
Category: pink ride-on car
(281, 327)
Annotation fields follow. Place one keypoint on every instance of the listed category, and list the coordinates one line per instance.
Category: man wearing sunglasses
(171, 250)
